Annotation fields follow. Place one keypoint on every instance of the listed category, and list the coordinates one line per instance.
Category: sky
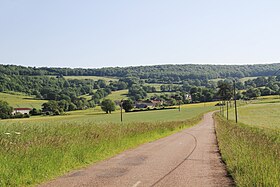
(103, 33)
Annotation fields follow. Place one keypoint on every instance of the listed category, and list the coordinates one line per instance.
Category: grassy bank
(252, 154)
(30, 154)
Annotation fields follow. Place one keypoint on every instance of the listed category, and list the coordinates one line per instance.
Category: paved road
(187, 158)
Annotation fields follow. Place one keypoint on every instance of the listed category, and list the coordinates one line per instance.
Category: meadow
(38, 149)
(118, 95)
(95, 78)
(18, 100)
(251, 148)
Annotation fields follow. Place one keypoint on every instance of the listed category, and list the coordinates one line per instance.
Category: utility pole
(227, 110)
(234, 95)
(121, 110)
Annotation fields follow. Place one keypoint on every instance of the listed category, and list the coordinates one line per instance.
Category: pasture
(263, 112)
(18, 100)
(118, 95)
(95, 78)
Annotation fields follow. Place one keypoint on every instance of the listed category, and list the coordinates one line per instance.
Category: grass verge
(31, 154)
(252, 154)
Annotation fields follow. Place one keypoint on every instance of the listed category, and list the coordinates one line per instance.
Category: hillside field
(95, 78)
(18, 100)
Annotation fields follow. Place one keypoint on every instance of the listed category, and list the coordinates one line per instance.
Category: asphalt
(187, 158)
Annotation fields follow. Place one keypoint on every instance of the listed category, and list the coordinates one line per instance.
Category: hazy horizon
(95, 34)
(140, 65)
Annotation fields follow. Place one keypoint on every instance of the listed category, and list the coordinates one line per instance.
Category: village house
(148, 104)
(21, 110)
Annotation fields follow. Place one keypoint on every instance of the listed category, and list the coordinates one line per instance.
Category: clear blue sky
(90, 33)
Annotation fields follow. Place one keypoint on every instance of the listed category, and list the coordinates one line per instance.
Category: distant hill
(157, 72)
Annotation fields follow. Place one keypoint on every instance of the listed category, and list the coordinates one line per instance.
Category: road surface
(187, 158)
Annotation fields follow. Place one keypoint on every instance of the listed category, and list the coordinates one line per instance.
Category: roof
(22, 108)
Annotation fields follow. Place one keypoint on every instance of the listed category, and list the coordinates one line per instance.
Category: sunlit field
(41, 148)
(118, 95)
(18, 100)
(264, 112)
(95, 78)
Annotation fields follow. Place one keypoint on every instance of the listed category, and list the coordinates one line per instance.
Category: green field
(263, 113)
(95, 78)
(20, 100)
(41, 148)
(251, 148)
(241, 79)
(118, 95)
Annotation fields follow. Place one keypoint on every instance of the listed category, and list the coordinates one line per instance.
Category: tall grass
(252, 154)
(31, 154)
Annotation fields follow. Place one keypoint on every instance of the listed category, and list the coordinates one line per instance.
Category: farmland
(40, 148)
(251, 149)
(118, 95)
(95, 78)
(20, 100)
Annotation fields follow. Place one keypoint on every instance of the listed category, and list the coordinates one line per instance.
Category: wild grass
(252, 154)
(41, 148)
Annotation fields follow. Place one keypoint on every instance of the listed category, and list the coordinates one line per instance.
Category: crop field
(251, 148)
(40, 148)
(19, 100)
(95, 78)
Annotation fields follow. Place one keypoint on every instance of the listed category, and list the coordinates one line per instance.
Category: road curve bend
(187, 158)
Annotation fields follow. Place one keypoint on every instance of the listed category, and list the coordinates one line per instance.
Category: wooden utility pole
(234, 95)
(121, 110)
(227, 110)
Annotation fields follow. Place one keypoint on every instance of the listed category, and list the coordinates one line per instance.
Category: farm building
(148, 104)
(22, 110)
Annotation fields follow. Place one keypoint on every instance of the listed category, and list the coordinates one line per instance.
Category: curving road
(187, 158)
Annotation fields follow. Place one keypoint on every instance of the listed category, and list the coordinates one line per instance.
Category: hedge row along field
(252, 154)
(31, 154)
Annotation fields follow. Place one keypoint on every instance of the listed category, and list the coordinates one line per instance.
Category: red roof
(23, 108)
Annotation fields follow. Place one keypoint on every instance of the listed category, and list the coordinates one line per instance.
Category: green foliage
(225, 91)
(5, 110)
(127, 105)
(108, 106)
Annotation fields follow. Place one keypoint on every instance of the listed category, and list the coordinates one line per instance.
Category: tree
(225, 91)
(50, 106)
(107, 105)
(252, 93)
(127, 105)
(5, 110)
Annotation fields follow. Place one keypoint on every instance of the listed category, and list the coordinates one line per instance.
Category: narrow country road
(187, 158)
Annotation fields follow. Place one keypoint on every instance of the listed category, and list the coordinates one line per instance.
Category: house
(21, 110)
(148, 104)
(144, 105)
